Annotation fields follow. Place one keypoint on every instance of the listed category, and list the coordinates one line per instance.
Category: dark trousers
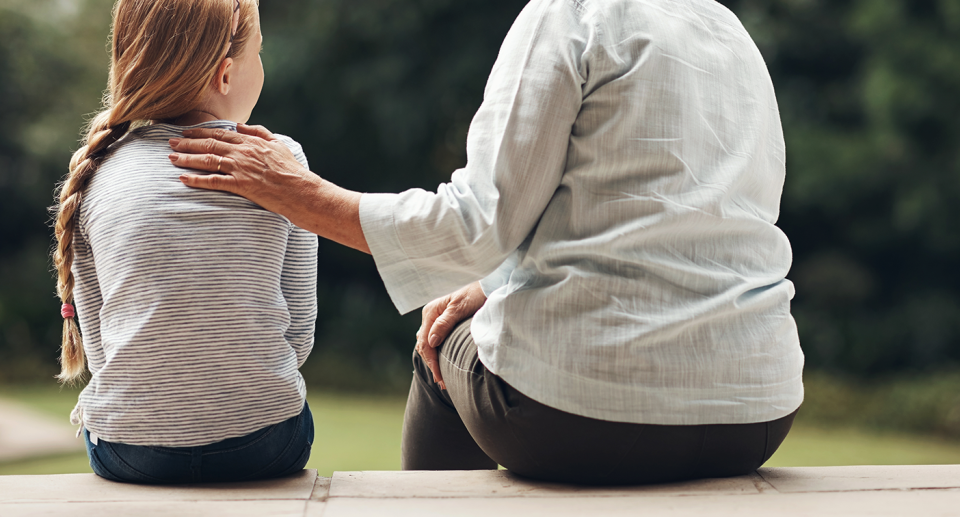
(274, 451)
(481, 421)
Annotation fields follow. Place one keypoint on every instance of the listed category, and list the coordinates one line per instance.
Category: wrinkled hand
(440, 317)
(250, 162)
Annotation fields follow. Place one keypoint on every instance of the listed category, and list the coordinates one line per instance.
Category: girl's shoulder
(162, 132)
(152, 139)
(294, 147)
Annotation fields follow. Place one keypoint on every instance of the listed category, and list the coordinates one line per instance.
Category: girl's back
(196, 307)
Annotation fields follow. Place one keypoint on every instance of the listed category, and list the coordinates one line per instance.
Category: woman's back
(622, 183)
(197, 308)
(659, 242)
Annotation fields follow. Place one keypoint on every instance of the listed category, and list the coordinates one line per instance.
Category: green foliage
(924, 404)
(808, 446)
(51, 73)
(868, 94)
(352, 432)
(381, 92)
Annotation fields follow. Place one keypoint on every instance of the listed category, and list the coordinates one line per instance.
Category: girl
(196, 308)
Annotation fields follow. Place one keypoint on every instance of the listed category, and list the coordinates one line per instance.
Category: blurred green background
(381, 92)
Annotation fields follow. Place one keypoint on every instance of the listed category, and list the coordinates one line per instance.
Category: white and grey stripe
(197, 307)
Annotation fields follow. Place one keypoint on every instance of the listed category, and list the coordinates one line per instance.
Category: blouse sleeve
(429, 244)
(298, 280)
(88, 300)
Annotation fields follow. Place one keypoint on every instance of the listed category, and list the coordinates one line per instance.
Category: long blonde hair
(165, 53)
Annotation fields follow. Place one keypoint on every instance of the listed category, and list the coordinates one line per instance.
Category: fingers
(202, 162)
(223, 135)
(210, 182)
(257, 131)
(208, 145)
(444, 324)
(460, 305)
(430, 313)
(432, 358)
(427, 352)
(439, 319)
(201, 146)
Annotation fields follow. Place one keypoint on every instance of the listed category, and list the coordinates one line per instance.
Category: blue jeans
(274, 451)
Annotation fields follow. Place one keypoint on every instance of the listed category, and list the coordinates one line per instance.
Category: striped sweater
(196, 307)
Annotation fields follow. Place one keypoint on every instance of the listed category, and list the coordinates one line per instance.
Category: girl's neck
(192, 118)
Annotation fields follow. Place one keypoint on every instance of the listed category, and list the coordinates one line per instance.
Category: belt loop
(196, 458)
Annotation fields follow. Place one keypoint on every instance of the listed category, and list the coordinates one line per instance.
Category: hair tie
(235, 22)
(66, 310)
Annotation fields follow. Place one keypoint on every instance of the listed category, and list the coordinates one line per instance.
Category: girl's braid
(101, 134)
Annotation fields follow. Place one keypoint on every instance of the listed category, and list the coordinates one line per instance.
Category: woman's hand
(252, 163)
(440, 317)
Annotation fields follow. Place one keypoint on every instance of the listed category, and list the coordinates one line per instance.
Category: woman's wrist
(331, 212)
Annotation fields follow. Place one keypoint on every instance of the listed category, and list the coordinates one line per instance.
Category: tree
(868, 97)
(380, 93)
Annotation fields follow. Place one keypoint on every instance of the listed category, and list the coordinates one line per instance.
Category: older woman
(619, 309)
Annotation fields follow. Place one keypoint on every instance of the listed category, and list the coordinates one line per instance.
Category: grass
(362, 432)
(64, 464)
(355, 432)
(352, 432)
(811, 446)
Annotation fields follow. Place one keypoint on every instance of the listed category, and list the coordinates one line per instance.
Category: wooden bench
(808, 491)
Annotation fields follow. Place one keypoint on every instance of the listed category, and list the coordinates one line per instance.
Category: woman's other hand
(440, 317)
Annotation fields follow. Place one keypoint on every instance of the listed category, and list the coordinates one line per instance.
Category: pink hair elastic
(66, 310)
(235, 22)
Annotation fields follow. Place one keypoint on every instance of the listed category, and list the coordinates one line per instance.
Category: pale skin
(252, 163)
(235, 88)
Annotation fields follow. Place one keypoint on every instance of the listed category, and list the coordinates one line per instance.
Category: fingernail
(443, 385)
(174, 142)
(173, 157)
(187, 133)
(433, 340)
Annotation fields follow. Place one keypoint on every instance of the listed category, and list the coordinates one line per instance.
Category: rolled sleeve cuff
(500, 277)
(491, 283)
(399, 274)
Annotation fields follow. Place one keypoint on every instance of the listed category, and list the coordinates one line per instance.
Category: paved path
(928, 491)
(25, 433)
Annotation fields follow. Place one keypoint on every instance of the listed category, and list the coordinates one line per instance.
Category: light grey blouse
(623, 180)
